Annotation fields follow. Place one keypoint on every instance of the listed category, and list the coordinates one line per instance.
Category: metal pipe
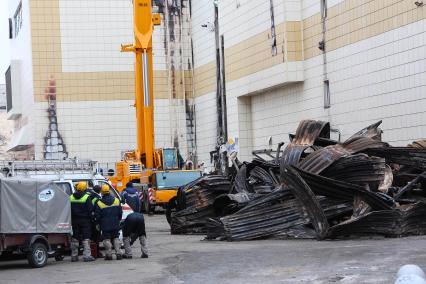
(223, 92)
(218, 85)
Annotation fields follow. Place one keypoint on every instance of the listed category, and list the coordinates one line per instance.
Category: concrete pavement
(190, 259)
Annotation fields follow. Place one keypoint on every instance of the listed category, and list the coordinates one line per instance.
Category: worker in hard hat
(108, 214)
(131, 197)
(81, 221)
(133, 228)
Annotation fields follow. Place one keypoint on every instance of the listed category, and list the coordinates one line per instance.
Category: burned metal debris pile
(195, 204)
(315, 188)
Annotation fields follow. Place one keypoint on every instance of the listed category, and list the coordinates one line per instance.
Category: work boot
(88, 258)
(87, 253)
(108, 249)
(117, 247)
(127, 248)
(119, 257)
(74, 249)
(144, 248)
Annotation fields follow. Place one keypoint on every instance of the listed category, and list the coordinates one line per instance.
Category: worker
(130, 196)
(133, 228)
(108, 214)
(81, 221)
(94, 196)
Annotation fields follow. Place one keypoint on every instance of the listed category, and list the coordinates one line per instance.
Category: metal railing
(46, 167)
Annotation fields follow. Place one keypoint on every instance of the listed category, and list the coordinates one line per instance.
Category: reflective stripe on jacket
(83, 199)
(109, 213)
(103, 205)
(81, 207)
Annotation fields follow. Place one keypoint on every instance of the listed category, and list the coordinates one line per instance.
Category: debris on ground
(315, 188)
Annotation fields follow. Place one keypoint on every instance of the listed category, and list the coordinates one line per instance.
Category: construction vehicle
(158, 171)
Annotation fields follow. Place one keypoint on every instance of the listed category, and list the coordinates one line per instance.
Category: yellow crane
(157, 170)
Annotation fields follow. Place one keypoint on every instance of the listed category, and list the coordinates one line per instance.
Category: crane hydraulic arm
(157, 172)
(144, 22)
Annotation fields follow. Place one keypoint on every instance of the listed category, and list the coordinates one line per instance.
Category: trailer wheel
(37, 257)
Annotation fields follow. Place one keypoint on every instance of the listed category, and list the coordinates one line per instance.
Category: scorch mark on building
(54, 146)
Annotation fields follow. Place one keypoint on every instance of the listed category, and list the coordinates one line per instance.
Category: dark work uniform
(134, 224)
(96, 234)
(94, 197)
(81, 215)
(131, 197)
(108, 215)
(134, 227)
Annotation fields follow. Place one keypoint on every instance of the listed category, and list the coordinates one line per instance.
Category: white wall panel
(203, 37)
(380, 78)
(92, 32)
(20, 49)
(100, 130)
(205, 108)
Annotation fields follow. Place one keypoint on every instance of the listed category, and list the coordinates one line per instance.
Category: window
(66, 187)
(89, 182)
(17, 19)
(172, 180)
(326, 94)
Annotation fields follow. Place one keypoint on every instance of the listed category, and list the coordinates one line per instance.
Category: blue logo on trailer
(46, 195)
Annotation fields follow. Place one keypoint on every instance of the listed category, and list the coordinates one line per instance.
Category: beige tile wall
(253, 55)
(347, 22)
(79, 86)
(355, 20)
(104, 96)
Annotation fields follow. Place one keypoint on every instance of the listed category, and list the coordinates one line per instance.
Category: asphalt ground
(190, 259)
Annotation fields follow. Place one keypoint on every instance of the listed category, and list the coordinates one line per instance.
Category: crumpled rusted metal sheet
(418, 144)
(360, 169)
(413, 157)
(270, 216)
(360, 186)
(308, 202)
(306, 133)
(198, 199)
(372, 131)
(227, 204)
(345, 191)
(319, 160)
(403, 221)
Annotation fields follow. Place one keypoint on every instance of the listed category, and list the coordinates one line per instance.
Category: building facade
(73, 90)
(344, 61)
(6, 126)
(371, 68)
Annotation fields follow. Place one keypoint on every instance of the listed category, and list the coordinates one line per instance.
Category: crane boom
(143, 25)
(157, 172)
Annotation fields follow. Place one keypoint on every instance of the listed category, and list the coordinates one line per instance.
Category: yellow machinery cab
(167, 178)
